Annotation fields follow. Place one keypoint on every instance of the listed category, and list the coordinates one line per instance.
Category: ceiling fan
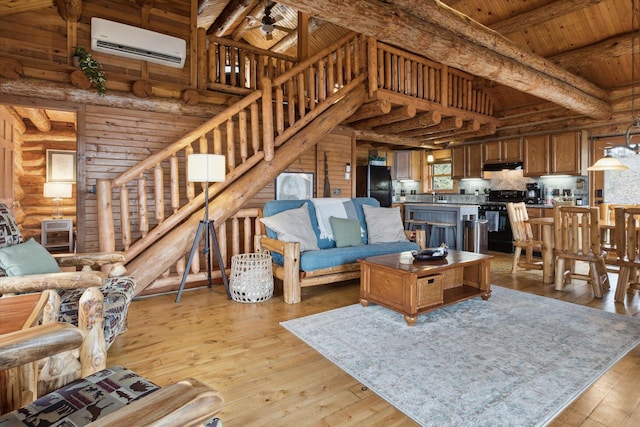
(268, 22)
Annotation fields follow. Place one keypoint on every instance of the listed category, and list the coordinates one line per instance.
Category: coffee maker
(534, 194)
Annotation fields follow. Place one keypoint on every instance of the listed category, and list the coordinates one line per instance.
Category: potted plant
(91, 68)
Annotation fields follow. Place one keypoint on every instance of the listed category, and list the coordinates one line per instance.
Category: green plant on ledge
(91, 68)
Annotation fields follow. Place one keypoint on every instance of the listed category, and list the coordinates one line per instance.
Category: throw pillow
(27, 258)
(345, 231)
(9, 232)
(384, 225)
(293, 225)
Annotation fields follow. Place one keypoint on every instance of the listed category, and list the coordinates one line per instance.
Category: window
(441, 177)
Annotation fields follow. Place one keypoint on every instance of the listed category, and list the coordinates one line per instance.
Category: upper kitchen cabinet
(508, 150)
(536, 155)
(466, 161)
(558, 154)
(407, 165)
(570, 154)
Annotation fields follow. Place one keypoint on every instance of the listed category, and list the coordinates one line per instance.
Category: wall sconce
(57, 191)
(347, 171)
(430, 156)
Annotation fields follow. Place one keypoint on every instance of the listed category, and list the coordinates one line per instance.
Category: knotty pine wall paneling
(338, 149)
(117, 139)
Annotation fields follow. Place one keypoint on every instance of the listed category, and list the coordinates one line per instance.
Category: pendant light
(430, 156)
(608, 163)
(636, 120)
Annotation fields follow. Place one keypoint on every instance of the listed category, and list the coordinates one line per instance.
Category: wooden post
(267, 120)
(106, 233)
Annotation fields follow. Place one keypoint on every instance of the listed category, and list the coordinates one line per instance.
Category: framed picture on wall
(61, 166)
(294, 186)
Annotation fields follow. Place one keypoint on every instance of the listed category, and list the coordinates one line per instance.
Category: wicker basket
(430, 291)
(251, 277)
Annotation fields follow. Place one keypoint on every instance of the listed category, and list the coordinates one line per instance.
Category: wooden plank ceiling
(545, 63)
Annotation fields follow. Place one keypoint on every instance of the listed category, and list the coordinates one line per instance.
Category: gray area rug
(515, 360)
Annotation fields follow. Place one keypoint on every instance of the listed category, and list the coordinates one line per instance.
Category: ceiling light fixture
(607, 163)
(430, 156)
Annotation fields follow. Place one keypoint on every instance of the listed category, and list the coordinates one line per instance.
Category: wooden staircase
(260, 135)
(151, 211)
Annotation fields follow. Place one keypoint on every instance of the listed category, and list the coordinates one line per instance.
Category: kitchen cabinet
(536, 155)
(407, 165)
(508, 150)
(466, 161)
(557, 154)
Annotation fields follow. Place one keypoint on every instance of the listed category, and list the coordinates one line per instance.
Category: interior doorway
(39, 171)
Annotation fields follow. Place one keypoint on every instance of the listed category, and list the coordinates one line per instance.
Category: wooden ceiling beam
(371, 109)
(404, 112)
(450, 123)
(608, 49)
(420, 121)
(37, 116)
(541, 14)
(372, 136)
(444, 35)
(257, 12)
(485, 129)
(291, 39)
(233, 13)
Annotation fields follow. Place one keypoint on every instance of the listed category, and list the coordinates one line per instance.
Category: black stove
(500, 237)
(505, 196)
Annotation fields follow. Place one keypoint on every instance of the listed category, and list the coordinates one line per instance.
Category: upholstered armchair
(110, 397)
(91, 298)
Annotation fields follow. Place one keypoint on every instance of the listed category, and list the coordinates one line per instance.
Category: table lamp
(205, 168)
(57, 191)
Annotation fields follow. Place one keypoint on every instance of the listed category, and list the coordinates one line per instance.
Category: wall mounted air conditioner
(137, 43)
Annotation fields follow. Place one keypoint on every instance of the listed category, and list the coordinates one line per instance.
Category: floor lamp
(205, 168)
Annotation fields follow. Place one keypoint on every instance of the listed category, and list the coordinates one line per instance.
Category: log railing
(412, 75)
(237, 67)
(144, 203)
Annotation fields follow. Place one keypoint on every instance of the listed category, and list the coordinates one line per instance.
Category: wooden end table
(422, 286)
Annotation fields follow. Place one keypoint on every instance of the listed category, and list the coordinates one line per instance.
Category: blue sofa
(329, 263)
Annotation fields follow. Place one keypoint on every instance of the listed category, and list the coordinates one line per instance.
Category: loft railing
(239, 68)
(144, 203)
(404, 73)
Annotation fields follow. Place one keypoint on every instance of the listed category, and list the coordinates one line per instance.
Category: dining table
(548, 244)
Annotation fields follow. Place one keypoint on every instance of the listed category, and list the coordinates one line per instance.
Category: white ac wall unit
(137, 43)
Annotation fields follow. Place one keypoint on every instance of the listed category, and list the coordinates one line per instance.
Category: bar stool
(415, 224)
(439, 231)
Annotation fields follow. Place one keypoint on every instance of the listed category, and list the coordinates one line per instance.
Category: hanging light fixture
(608, 163)
(430, 156)
(636, 120)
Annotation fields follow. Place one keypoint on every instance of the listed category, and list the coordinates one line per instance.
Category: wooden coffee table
(422, 286)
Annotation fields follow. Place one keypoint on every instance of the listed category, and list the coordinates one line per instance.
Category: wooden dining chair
(577, 238)
(523, 238)
(627, 244)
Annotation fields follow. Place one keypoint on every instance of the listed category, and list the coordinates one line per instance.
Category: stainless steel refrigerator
(374, 181)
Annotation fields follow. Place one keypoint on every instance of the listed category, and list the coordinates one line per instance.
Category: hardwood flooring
(269, 377)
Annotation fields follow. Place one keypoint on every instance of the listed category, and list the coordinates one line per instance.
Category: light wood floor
(269, 377)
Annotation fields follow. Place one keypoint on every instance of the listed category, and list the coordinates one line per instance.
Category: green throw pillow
(345, 231)
(27, 258)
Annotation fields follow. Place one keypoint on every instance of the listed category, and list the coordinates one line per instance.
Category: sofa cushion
(384, 225)
(27, 258)
(326, 258)
(346, 231)
(293, 225)
(9, 232)
(359, 202)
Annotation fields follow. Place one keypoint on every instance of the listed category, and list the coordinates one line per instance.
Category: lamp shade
(206, 168)
(607, 163)
(57, 190)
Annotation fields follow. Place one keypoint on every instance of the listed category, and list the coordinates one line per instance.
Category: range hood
(493, 167)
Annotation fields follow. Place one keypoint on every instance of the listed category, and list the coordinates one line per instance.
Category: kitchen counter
(450, 204)
(443, 212)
